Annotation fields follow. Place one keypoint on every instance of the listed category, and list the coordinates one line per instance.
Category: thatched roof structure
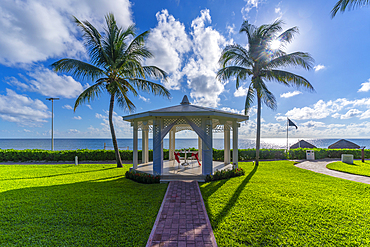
(302, 144)
(343, 144)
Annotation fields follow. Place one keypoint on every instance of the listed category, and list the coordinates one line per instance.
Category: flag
(290, 123)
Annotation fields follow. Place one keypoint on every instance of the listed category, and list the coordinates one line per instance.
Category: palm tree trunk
(114, 139)
(258, 140)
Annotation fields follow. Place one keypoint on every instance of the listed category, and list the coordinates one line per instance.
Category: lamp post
(52, 121)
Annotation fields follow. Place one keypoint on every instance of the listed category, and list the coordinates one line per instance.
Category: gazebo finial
(185, 101)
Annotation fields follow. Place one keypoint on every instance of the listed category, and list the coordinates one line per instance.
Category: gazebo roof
(343, 144)
(302, 144)
(185, 109)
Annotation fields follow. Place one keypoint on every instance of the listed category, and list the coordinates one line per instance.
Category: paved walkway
(182, 219)
(319, 166)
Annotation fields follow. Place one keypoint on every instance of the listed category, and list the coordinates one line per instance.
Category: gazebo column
(172, 143)
(235, 144)
(199, 148)
(226, 144)
(207, 152)
(157, 146)
(135, 144)
(145, 142)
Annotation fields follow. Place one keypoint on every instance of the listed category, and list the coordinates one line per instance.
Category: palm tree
(115, 67)
(260, 62)
(342, 5)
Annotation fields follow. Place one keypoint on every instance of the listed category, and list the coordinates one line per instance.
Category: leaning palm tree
(343, 5)
(115, 67)
(261, 62)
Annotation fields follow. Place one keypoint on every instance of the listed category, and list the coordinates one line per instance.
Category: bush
(143, 178)
(224, 174)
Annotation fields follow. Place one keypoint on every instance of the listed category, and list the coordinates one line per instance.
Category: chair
(178, 158)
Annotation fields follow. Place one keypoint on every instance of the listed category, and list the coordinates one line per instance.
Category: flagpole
(287, 142)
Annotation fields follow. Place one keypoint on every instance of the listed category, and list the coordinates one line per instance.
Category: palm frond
(150, 87)
(287, 36)
(288, 79)
(92, 39)
(240, 73)
(90, 93)
(235, 55)
(267, 97)
(296, 59)
(78, 69)
(124, 102)
(343, 5)
(249, 100)
(155, 72)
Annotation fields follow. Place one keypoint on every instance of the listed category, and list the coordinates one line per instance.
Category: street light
(52, 121)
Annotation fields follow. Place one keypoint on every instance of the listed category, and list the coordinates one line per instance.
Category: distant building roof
(302, 144)
(343, 144)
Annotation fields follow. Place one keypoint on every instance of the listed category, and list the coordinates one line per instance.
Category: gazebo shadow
(232, 200)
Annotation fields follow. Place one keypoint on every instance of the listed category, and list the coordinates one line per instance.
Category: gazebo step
(168, 178)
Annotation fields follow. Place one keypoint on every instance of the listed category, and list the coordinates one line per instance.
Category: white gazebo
(204, 121)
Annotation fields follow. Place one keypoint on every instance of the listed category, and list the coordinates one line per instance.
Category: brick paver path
(182, 219)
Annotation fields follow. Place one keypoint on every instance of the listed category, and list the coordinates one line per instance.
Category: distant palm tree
(343, 5)
(261, 62)
(115, 67)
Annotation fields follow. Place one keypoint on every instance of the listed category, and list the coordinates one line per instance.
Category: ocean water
(127, 144)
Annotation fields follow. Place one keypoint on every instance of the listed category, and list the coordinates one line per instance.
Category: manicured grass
(68, 205)
(357, 167)
(278, 204)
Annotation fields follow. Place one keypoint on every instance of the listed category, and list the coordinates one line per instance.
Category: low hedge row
(224, 174)
(143, 178)
(218, 155)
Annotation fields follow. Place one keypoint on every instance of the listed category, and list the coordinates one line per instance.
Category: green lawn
(357, 168)
(278, 204)
(68, 205)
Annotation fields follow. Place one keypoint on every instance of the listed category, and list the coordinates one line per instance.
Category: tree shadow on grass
(233, 199)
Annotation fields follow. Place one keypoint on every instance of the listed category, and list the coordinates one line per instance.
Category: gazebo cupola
(204, 121)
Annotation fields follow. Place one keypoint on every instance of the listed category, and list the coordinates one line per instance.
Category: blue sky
(186, 39)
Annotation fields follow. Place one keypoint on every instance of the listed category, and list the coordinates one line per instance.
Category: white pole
(52, 121)
(76, 160)
(287, 143)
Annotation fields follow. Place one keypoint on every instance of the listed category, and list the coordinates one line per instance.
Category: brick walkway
(182, 219)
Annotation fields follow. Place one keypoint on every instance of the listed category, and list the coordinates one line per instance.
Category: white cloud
(202, 67)
(241, 91)
(40, 29)
(73, 131)
(350, 114)
(231, 29)
(68, 107)
(320, 110)
(249, 6)
(122, 128)
(365, 87)
(77, 117)
(89, 106)
(48, 83)
(169, 42)
(228, 109)
(290, 94)
(22, 109)
(144, 99)
(319, 67)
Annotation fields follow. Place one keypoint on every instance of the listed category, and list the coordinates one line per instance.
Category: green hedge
(321, 153)
(218, 155)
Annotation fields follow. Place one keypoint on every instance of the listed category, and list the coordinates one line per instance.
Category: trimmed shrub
(143, 178)
(224, 174)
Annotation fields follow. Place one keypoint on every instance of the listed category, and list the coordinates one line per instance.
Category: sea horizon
(127, 143)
